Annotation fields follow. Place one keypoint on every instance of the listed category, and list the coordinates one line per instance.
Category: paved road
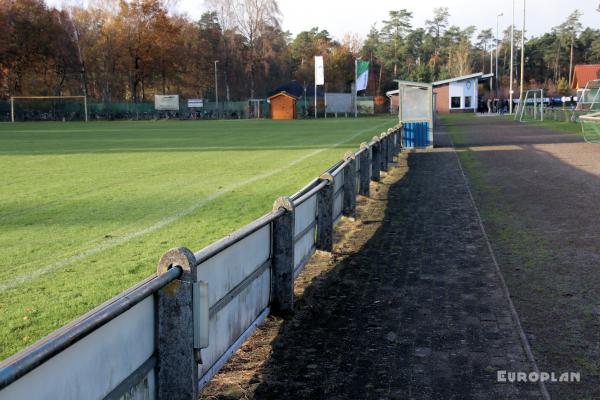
(539, 194)
(411, 309)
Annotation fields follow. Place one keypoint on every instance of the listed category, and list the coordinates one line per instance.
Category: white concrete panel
(227, 269)
(233, 319)
(305, 214)
(338, 181)
(337, 205)
(144, 390)
(303, 247)
(96, 364)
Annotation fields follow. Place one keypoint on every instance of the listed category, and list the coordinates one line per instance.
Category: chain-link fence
(74, 110)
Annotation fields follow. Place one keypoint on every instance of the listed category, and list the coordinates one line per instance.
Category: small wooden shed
(283, 106)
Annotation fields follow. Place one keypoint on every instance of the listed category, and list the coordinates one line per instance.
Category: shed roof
(478, 75)
(583, 73)
(283, 94)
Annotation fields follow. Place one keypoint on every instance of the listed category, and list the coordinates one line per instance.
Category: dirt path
(539, 195)
(408, 306)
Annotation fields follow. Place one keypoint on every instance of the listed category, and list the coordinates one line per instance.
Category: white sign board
(169, 102)
(338, 102)
(195, 103)
(319, 71)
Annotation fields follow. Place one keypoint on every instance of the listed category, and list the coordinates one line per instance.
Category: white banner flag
(319, 71)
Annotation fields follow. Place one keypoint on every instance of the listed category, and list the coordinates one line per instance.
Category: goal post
(590, 127)
(535, 97)
(17, 98)
(589, 98)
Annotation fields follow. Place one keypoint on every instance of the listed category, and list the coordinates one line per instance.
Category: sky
(357, 16)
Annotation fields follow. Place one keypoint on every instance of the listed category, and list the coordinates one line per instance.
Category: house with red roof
(582, 74)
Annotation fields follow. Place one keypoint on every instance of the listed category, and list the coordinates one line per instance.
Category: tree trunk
(571, 61)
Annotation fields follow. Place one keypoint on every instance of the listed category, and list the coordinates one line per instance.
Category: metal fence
(69, 110)
(168, 336)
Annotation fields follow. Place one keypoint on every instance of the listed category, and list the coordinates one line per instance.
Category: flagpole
(355, 88)
(315, 98)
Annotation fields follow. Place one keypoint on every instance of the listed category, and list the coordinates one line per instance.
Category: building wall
(283, 107)
(462, 89)
(442, 104)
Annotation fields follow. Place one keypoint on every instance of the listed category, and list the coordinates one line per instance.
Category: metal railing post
(365, 170)
(177, 360)
(349, 200)
(282, 293)
(376, 159)
(325, 215)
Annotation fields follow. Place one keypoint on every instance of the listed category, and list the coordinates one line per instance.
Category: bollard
(283, 258)
(375, 159)
(325, 215)
(177, 360)
(349, 200)
(365, 170)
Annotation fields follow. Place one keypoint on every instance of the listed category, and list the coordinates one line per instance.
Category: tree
(436, 28)
(485, 37)
(568, 31)
(252, 19)
(393, 32)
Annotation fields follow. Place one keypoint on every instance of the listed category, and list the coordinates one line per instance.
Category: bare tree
(252, 19)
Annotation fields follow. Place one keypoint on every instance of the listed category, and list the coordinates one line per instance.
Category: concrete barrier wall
(168, 336)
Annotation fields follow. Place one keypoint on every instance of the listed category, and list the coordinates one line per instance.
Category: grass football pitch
(86, 210)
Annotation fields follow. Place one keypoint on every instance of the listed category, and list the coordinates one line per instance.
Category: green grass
(94, 206)
(560, 126)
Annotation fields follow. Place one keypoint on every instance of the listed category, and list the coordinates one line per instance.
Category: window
(455, 102)
(467, 101)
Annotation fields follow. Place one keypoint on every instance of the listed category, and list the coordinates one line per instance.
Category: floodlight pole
(216, 89)
(522, 58)
(491, 69)
(497, 46)
(512, 46)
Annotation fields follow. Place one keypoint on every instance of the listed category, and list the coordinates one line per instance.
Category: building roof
(283, 94)
(478, 75)
(583, 73)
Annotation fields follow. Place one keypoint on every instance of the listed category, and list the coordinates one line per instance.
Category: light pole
(512, 46)
(521, 105)
(491, 69)
(216, 90)
(497, 45)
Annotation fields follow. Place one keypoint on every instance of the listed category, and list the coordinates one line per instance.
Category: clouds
(342, 16)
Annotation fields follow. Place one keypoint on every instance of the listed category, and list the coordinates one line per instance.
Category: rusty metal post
(349, 200)
(283, 257)
(177, 361)
(325, 215)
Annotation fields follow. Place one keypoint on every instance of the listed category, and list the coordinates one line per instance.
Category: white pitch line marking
(165, 221)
